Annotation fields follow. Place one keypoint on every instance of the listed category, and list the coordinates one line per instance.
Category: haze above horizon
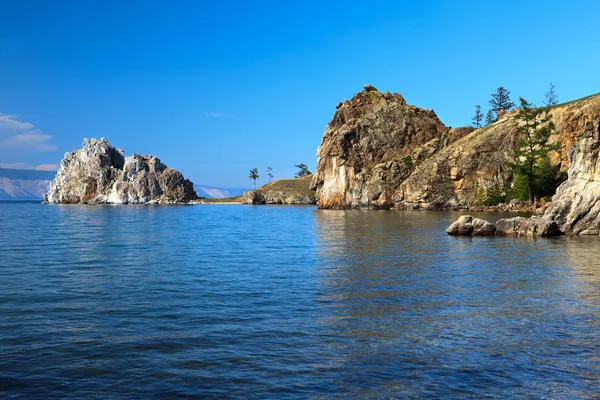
(217, 89)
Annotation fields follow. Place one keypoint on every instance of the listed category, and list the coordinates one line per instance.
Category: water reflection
(420, 311)
(274, 302)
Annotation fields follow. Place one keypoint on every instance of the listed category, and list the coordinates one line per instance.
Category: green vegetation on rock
(531, 167)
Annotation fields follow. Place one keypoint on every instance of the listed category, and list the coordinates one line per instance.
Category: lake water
(223, 301)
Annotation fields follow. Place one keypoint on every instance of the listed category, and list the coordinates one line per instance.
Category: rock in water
(254, 197)
(99, 173)
(366, 149)
(533, 226)
(466, 225)
(482, 227)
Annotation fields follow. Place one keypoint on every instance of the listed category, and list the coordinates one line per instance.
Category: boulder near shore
(99, 173)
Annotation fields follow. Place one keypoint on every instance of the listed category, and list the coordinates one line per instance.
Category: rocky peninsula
(99, 173)
(380, 152)
(283, 191)
(575, 207)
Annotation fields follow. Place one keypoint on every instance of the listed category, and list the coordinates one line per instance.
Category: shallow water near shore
(289, 302)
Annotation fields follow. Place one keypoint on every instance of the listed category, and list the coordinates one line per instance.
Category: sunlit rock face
(576, 204)
(99, 173)
(366, 149)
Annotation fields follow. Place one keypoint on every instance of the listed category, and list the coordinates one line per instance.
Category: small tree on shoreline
(254, 176)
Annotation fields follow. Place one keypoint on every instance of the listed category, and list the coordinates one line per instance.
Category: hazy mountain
(20, 184)
(218, 192)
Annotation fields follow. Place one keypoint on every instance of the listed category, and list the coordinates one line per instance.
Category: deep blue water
(289, 302)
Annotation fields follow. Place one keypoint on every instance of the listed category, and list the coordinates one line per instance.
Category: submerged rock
(100, 174)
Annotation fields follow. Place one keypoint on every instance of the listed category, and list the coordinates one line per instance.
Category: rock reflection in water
(414, 310)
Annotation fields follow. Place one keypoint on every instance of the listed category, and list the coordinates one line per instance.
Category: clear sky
(216, 88)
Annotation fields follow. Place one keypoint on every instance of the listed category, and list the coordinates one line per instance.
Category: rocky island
(99, 173)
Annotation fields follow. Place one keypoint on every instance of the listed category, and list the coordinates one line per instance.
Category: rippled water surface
(289, 302)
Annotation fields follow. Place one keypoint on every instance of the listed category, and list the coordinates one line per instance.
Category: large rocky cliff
(366, 151)
(100, 173)
(576, 204)
(379, 152)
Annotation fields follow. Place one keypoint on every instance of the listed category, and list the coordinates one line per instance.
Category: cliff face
(576, 204)
(99, 173)
(366, 150)
(378, 152)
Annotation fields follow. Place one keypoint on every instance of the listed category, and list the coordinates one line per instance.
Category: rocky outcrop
(575, 207)
(533, 226)
(98, 173)
(282, 191)
(379, 152)
(366, 151)
(468, 225)
(276, 197)
(576, 204)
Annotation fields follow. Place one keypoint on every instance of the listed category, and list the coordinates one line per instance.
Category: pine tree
(535, 128)
(501, 100)
(269, 172)
(490, 118)
(551, 98)
(254, 176)
(303, 170)
(478, 118)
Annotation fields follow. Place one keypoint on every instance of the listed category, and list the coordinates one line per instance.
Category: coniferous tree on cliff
(501, 101)
(490, 118)
(254, 176)
(551, 99)
(478, 118)
(303, 170)
(532, 151)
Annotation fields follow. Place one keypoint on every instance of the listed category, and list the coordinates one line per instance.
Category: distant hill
(20, 184)
(218, 192)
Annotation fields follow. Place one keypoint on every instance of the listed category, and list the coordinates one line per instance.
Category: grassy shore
(290, 186)
(287, 186)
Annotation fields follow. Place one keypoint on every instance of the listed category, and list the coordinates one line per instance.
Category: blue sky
(216, 88)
